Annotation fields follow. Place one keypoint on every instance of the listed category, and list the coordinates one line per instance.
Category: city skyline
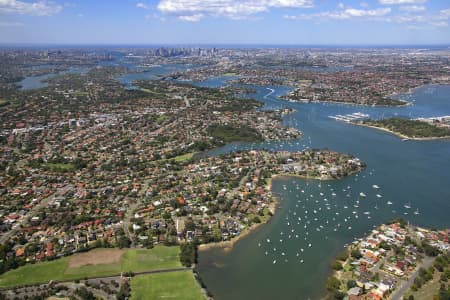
(267, 22)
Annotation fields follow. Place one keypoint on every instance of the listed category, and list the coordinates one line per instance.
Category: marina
(357, 116)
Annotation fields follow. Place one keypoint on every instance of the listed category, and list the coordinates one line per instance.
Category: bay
(409, 174)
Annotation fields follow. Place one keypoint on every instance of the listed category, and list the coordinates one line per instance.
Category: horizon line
(252, 45)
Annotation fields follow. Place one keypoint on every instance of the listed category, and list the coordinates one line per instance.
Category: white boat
(375, 186)
(407, 205)
(416, 212)
(379, 196)
(362, 194)
(389, 203)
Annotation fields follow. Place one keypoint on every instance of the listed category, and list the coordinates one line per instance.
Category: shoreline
(406, 103)
(400, 135)
(229, 244)
(328, 178)
(393, 96)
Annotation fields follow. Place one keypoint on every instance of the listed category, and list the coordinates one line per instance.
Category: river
(289, 258)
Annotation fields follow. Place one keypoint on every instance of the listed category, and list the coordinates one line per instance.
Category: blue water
(38, 82)
(411, 173)
(150, 73)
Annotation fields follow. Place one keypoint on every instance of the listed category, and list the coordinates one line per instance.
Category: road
(130, 212)
(43, 203)
(406, 285)
(377, 266)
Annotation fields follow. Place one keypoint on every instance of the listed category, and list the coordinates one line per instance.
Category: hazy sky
(307, 22)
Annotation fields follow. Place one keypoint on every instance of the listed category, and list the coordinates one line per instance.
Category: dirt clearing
(96, 257)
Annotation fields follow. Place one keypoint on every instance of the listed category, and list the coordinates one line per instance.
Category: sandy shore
(228, 245)
(402, 135)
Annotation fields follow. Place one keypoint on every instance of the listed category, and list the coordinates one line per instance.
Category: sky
(216, 22)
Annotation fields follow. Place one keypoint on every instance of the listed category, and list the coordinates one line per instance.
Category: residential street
(406, 285)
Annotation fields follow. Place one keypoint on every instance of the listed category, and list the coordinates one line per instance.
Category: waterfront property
(388, 262)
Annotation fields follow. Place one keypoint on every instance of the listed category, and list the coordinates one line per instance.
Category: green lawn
(184, 157)
(161, 119)
(136, 260)
(176, 285)
(149, 91)
(3, 102)
(179, 158)
(59, 167)
(428, 290)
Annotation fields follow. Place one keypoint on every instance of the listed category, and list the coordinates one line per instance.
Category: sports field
(98, 262)
(174, 285)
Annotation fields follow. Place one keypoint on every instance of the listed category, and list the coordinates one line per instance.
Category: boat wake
(270, 93)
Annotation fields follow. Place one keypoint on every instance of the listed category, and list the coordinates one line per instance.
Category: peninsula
(87, 164)
(419, 129)
(393, 261)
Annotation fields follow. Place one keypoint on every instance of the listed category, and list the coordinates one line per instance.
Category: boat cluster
(350, 117)
(320, 211)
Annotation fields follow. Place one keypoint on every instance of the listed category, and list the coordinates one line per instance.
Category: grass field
(3, 102)
(136, 260)
(184, 157)
(59, 167)
(176, 285)
(151, 92)
(179, 158)
(428, 290)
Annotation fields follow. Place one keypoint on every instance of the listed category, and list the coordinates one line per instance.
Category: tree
(188, 254)
(430, 250)
(256, 219)
(336, 265)
(123, 242)
(124, 291)
(85, 294)
(351, 284)
(342, 256)
(332, 283)
(356, 254)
